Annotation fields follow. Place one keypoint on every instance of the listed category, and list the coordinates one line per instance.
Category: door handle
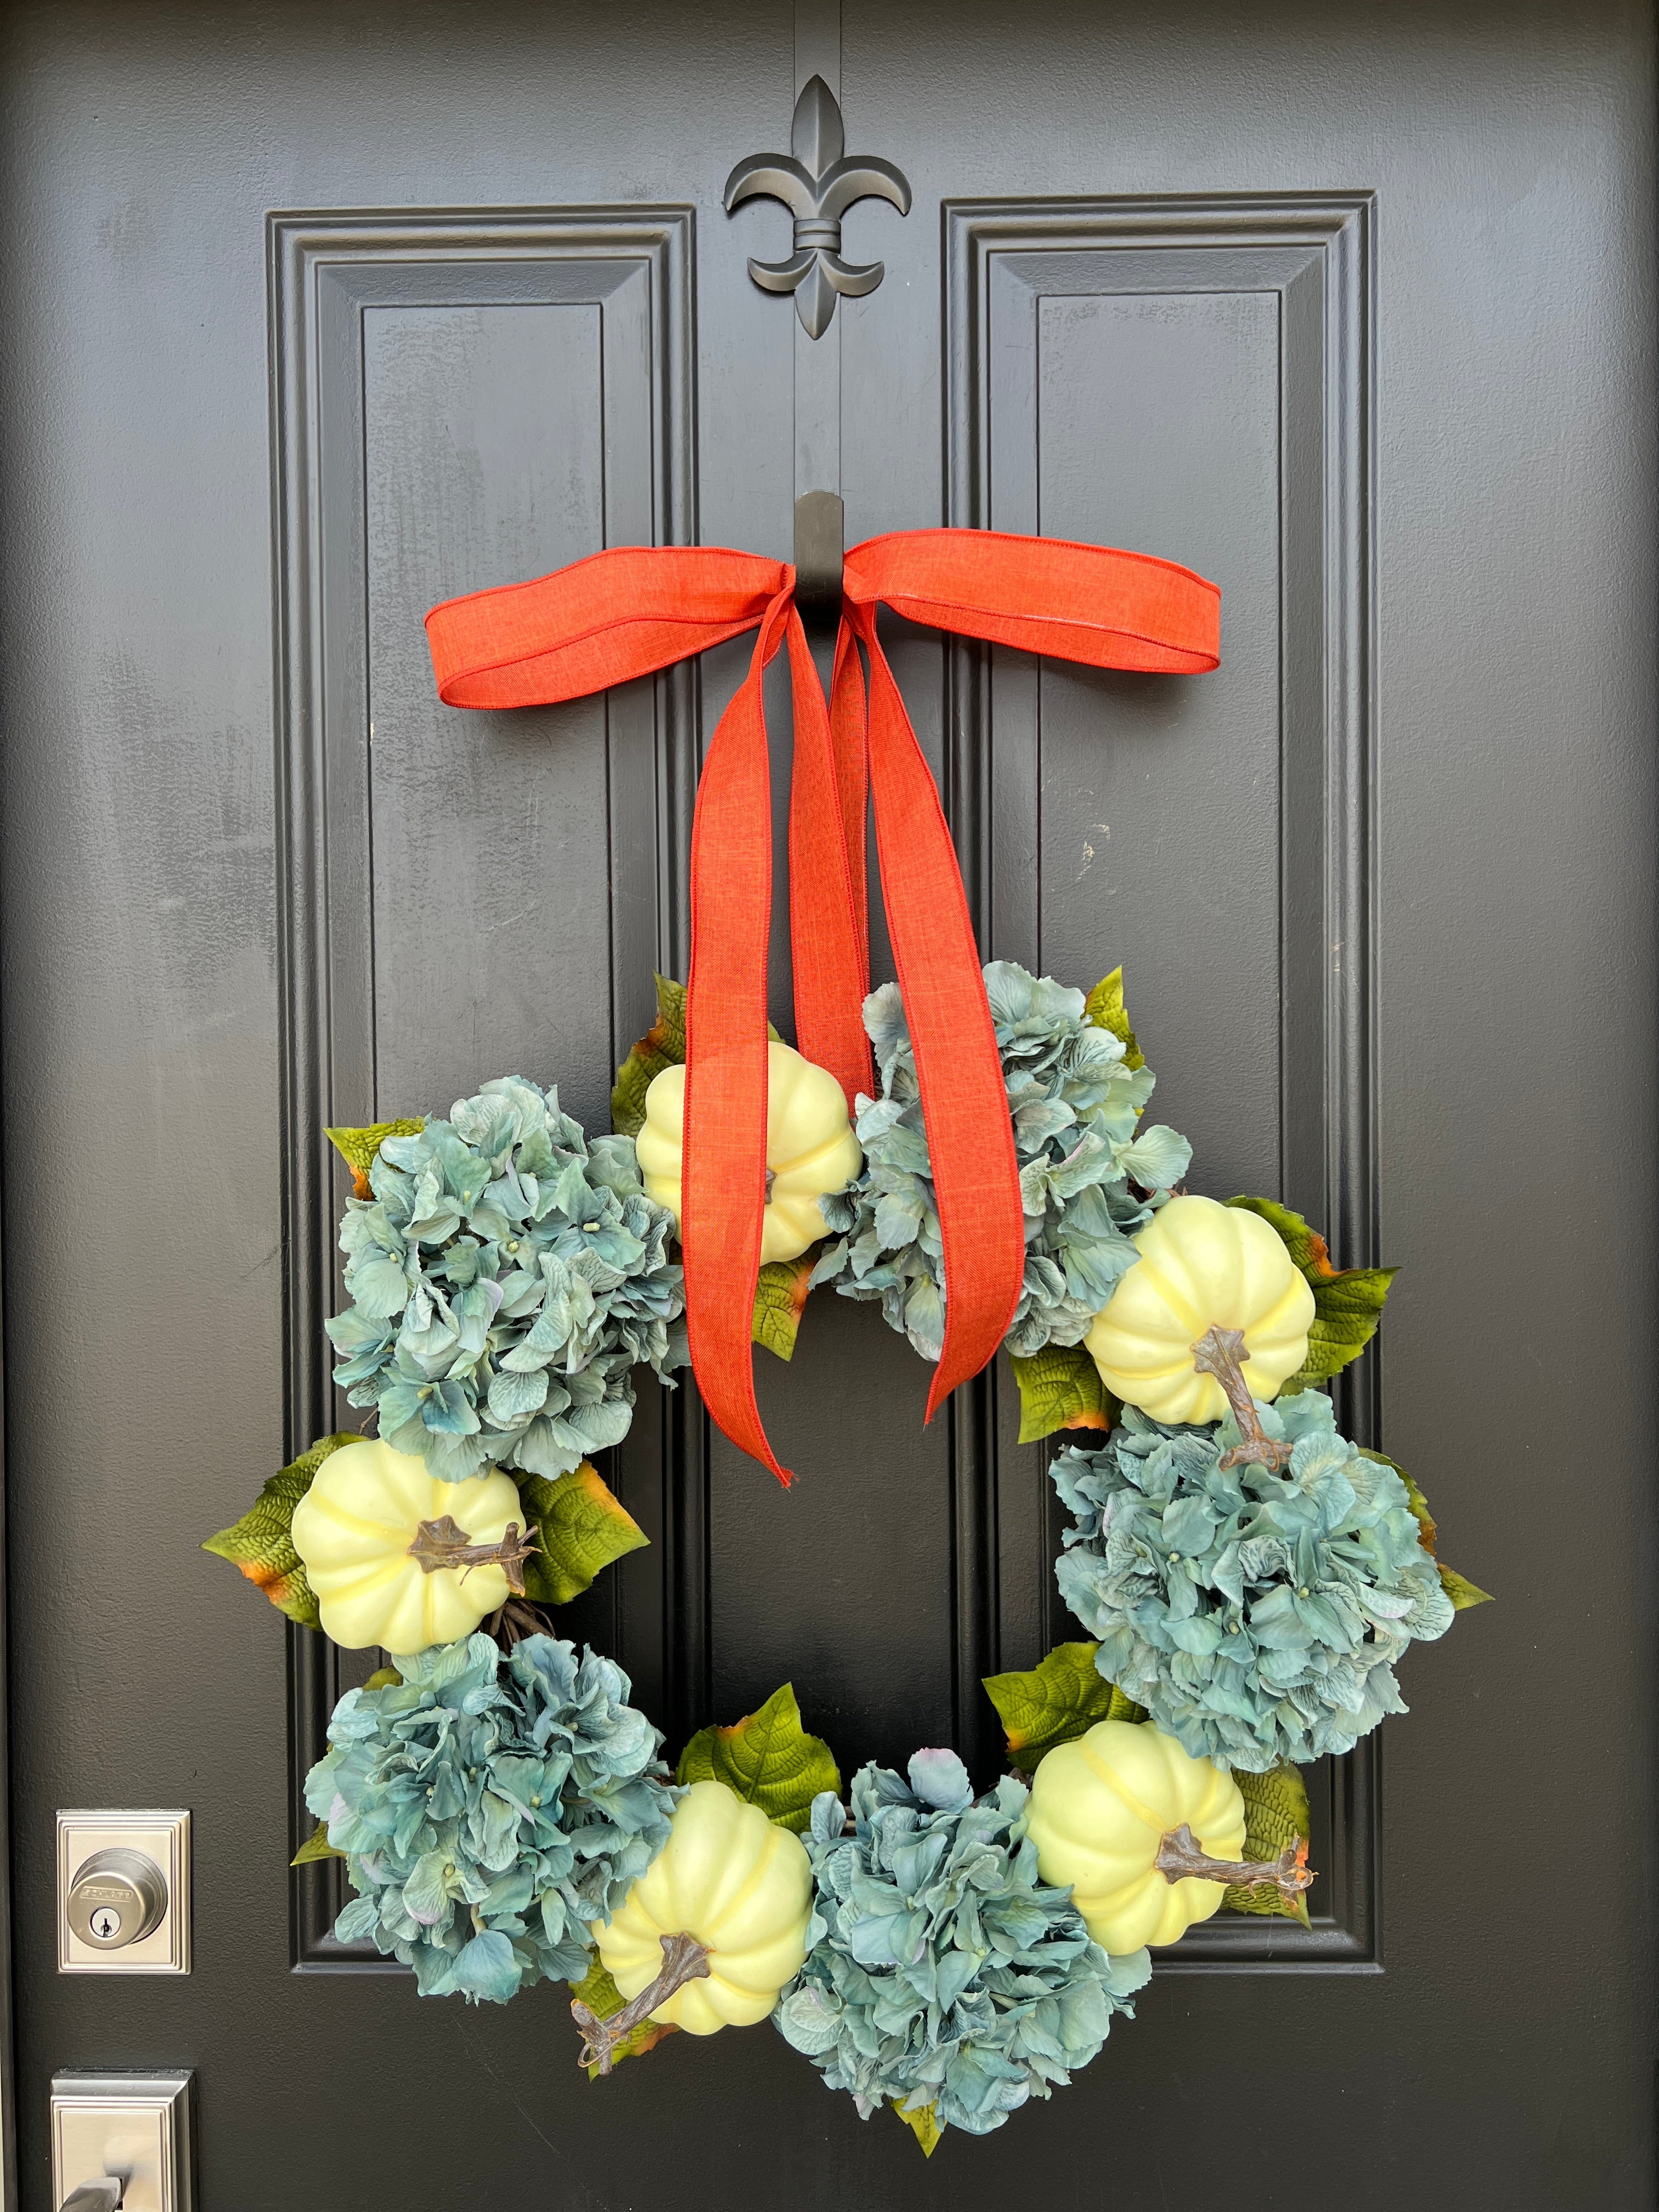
(121, 2143)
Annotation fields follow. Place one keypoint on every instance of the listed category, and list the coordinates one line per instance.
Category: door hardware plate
(135, 2124)
(162, 1839)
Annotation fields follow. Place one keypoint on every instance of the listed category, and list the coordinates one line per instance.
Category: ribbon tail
(964, 1099)
(723, 1153)
(828, 928)
(849, 740)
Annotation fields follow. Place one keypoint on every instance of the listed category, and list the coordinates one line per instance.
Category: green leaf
(1461, 1590)
(926, 2126)
(1458, 1587)
(662, 1045)
(315, 1848)
(602, 1997)
(357, 1148)
(1059, 1388)
(769, 1759)
(582, 1529)
(260, 1543)
(1347, 1302)
(1061, 1699)
(1104, 1007)
(1275, 1814)
(780, 1301)
(384, 1678)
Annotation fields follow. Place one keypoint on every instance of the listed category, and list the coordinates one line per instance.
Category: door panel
(1198, 375)
(1352, 312)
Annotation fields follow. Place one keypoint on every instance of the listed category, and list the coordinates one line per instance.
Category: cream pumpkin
(1202, 1265)
(1100, 1809)
(353, 1527)
(810, 1147)
(742, 1887)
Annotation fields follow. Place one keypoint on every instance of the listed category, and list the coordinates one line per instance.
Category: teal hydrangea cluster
(1256, 1615)
(940, 1971)
(1088, 1182)
(505, 1278)
(490, 1808)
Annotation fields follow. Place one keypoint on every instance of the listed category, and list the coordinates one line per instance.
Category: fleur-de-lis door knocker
(818, 184)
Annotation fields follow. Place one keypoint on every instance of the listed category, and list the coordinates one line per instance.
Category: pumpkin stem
(1220, 1352)
(684, 1959)
(445, 1543)
(1181, 1855)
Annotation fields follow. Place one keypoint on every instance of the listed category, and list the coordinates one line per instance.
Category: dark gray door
(315, 316)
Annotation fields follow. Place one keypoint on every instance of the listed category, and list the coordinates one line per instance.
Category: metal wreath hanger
(817, 181)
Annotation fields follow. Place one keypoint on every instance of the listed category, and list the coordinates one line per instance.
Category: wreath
(1249, 1578)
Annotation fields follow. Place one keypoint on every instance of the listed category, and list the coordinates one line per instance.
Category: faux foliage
(1087, 1181)
(1059, 1388)
(781, 1291)
(1275, 1815)
(942, 1975)
(489, 1807)
(261, 1544)
(1458, 1587)
(1060, 1699)
(505, 1275)
(662, 1045)
(359, 1148)
(769, 1759)
(1347, 1301)
(1256, 1615)
(580, 1526)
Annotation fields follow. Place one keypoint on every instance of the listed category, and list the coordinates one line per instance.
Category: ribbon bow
(629, 612)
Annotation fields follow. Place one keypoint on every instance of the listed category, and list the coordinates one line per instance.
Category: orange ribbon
(628, 613)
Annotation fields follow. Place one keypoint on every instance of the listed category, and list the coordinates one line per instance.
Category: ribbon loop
(603, 621)
(630, 611)
(1084, 602)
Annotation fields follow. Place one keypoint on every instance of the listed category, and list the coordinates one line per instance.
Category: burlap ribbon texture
(633, 610)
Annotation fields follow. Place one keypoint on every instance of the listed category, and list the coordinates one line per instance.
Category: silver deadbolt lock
(117, 1897)
(124, 1892)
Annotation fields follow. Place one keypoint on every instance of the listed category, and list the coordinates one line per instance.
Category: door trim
(1314, 253)
(326, 270)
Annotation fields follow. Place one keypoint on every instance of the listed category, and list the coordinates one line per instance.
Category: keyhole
(105, 1925)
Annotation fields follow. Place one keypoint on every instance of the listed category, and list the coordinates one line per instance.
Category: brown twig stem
(513, 1620)
(684, 1959)
(1220, 1352)
(445, 1543)
(1181, 1855)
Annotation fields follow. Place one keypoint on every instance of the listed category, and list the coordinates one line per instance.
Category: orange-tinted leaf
(780, 1301)
(1059, 1388)
(358, 1148)
(1347, 1302)
(1060, 1699)
(260, 1543)
(582, 1527)
(768, 1758)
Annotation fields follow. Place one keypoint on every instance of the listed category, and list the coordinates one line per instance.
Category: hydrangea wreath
(1250, 1583)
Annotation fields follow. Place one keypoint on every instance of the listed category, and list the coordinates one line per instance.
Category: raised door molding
(1117, 369)
(458, 399)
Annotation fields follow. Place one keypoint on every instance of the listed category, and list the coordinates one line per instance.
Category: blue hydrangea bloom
(505, 1278)
(1256, 1615)
(940, 1971)
(1074, 1103)
(490, 1808)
